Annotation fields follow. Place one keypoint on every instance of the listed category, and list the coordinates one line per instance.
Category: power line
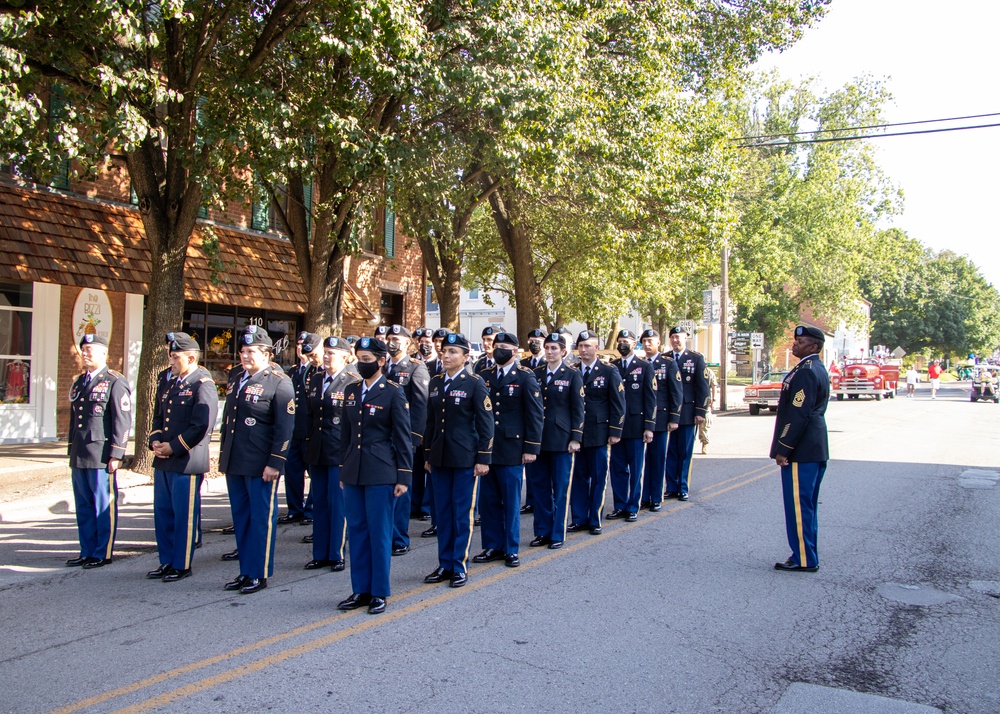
(861, 136)
(764, 137)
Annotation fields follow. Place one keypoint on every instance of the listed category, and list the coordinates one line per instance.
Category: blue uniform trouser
(590, 482)
(254, 504)
(529, 497)
(454, 497)
(401, 519)
(655, 469)
(176, 507)
(550, 477)
(679, 450)
(295, 482)
(429, 498)
(329, 521)
(626, 474)
(95, 492)
(418, 496)
(800, 488)
(500, 508)
(369, 525)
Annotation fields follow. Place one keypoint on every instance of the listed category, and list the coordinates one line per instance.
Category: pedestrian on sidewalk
(912, 377)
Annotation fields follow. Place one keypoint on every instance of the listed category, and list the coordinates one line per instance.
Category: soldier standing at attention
(325, 407)
(694, 378)
(669, 395)
(100, 420)
(486, 361)
(459, 445)
(800, 447)
(536, 343)
(562, 432)
(180, 437)
(637, 431)
(603, 416)
(299, 503)
(256, 430)
(419, 495)
(376, 461)
(517, 411)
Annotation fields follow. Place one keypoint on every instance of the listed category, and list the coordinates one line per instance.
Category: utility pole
(724, 328)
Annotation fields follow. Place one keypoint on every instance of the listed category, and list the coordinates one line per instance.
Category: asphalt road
(679, 612)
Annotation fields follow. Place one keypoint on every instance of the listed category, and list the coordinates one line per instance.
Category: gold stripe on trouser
(270, 527)
(472, 520)
(604, 486)
(569, 488)
(343, 536)
(191, 525)
(112, 515)
(798, 514)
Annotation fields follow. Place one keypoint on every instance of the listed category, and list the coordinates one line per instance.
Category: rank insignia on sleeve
(284, 447)
(291, 406)
(581, 392)
(487, 404)
(125, 403)
(799, 399)
(621, 387)
(784, 432)
(678, 375)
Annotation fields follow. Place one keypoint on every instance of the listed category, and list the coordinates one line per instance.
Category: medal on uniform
(371, 411)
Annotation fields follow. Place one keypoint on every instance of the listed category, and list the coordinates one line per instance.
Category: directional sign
(757, 340)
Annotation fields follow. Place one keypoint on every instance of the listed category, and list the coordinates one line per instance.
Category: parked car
(764, 394)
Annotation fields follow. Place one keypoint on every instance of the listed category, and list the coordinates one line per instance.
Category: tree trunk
(517, 245)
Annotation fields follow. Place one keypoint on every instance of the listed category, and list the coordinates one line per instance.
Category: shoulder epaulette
(117, 375)
(206, 379)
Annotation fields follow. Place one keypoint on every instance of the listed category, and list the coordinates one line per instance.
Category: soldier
(486, 361)
(518, 417)
(310, 356)
(324, 407)
(412, 376)
(604, 414)
(433, 368)
(536, 343)
(800, 447)
(459, 444)
(182, 430)
(694, 379)
(637, 429)
(376, 461)
(713, 385)
(420, 507)
(669, 394)
(550, 475)
(256, 430)
(100, 420)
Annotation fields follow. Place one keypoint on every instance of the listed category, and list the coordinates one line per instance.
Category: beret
(456, 339)
(254, 335)
(626, 335)
(399, 331)
(441, 332)
(556, 338)
(371, 344)
(585, 335)
(810, 331)
(506, 338)
(536, 333)
(649, 333)
(310, 342)
(337, 343)
(89, 339)
(183, 343)
(679, 330)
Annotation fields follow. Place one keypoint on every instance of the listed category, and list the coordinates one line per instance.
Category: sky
(938, 60)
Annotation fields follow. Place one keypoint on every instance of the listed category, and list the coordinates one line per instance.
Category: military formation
(402, 426)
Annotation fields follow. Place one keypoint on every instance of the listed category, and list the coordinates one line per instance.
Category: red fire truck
(873, 377)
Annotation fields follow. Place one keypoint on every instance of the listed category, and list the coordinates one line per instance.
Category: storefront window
(15, 343)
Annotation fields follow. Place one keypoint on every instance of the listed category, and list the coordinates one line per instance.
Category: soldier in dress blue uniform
(536, 344)
(256, 430)
(458, 446)
(419, 496)
(325, 408)
(182, 430)
(376, 462)
(298, 501)
(562, 432)
(800, 447)
(435, 367)
(517, 426)
(637, 429)
(100, 420)
(411, 375)
(669, 395)
(697, 399)
(603, 417)
(486, 361)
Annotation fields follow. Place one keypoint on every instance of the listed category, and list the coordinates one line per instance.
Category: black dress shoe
(401, 550)
(795, 567)
(478, 521)
(596, 530)
(253, 585)
(488, 556)
(682, 497)
(555, 545)
(511, 560)
(656, 507)
(355, 601)
(232, 555)
(159, 572)
(575, 528)
(96, 563)
(527, 509)
(76, 562)
(644, 504)
(317, 564)
(236, 584)
(229, 529)
(617, 513)
(337, 565)
(631, 517)
(174, 575)
(458, 580)
(430, 532)
(289, 518)
(307, 521)
(540, 541)
(376, 606)
(671, 494)
(439, 576)
(307, 538)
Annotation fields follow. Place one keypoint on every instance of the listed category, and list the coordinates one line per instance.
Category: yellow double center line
(364, 624)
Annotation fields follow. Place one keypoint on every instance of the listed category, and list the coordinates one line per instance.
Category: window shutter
(390, 232)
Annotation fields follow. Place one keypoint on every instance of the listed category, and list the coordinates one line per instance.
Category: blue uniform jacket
(517, 415)
(604, 405)
(459, 432)
(300, 375)
(100, 419)
(411, 375)
(669, 391)
(563, 401)
(326, 412)
(800, 426)
(640, 397)
(257, 423)
(375, 436)
(694, 378)
(185, 419)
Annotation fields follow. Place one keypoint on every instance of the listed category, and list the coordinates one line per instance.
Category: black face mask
(624, 348)
(393, 348)
(502, 355)
(534, 348)
(426, 350)
(367, 370)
